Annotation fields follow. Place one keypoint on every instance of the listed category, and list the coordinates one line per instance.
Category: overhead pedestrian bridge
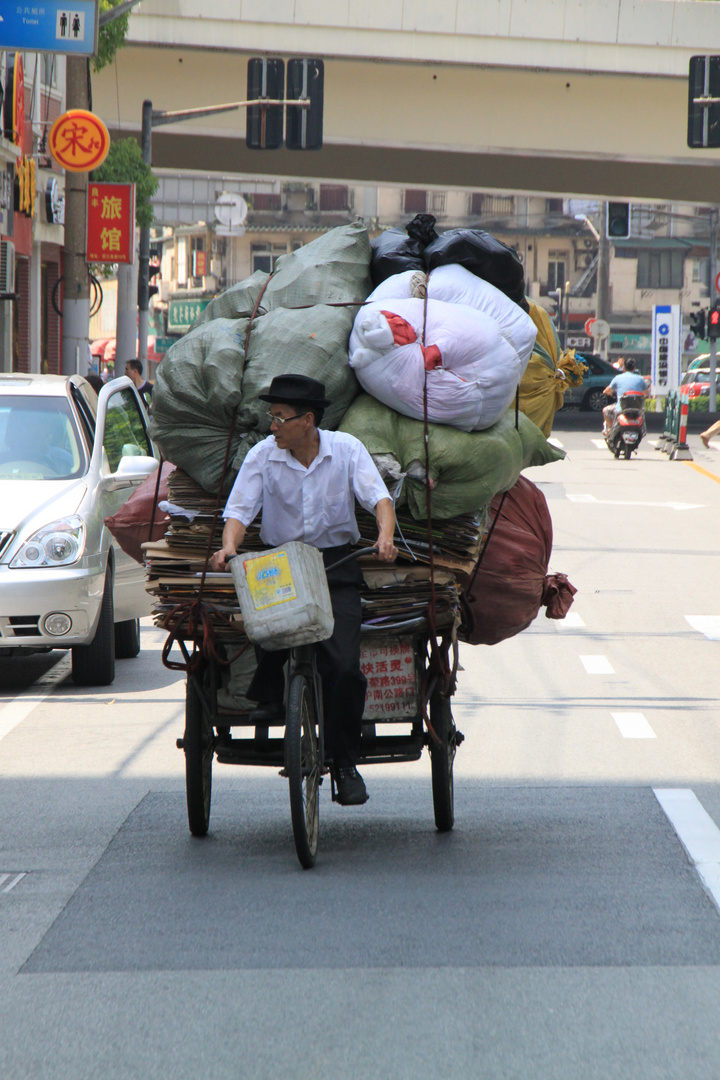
(582, 97)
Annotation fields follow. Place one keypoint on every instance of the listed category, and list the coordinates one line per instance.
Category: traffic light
(265, 80)
(697, 323)
(713, 325)
(618, 220)
(703, 118)
(304, 125)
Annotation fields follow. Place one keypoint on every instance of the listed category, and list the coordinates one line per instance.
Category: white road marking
(597, 665)
(633, 725)
(696, 831)
(631, 502)
(600, 443)
(572, 621)
(556, 442)
(709, 625)
(14, 882)
(20, 707)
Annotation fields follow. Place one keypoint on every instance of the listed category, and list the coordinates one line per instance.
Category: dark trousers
(338, 661)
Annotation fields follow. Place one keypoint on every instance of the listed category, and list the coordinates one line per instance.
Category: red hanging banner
(111, 223)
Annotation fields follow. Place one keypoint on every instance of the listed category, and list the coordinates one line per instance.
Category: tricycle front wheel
(302, 763)
(199, 746)
(442, 758)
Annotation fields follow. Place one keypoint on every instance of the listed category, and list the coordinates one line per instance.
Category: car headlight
(57, 544)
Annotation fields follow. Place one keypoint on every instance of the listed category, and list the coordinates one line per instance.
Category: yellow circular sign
(79, 141)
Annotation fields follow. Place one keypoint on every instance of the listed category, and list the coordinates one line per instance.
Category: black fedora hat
(296, 390)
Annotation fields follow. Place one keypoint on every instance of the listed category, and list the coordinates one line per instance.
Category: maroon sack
(131, 525)
(510, 583)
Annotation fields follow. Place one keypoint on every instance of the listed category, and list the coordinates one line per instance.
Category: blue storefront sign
(665, 356)
(49, 26)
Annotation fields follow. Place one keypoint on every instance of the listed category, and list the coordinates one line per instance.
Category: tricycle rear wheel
(302, 762)
(442, 758)
(199, 746)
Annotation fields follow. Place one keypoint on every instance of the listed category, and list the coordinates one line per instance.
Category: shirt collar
(325, 450)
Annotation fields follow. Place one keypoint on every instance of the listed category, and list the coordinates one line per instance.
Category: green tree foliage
(124, 165)
(112, 37)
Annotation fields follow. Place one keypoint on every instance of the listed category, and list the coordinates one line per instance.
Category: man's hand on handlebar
(233, 536)
(218, 561)
(385, 549)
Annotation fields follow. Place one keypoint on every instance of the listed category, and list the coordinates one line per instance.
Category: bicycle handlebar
(333, 566)
(350, 557)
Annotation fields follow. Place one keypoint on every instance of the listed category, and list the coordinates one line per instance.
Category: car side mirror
(131, 470)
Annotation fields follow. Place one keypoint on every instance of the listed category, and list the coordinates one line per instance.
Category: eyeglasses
(280, 420)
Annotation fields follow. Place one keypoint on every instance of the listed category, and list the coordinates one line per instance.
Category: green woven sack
(467, 468)
(206, 374)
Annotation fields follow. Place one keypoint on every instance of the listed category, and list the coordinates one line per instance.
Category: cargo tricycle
(408, 707)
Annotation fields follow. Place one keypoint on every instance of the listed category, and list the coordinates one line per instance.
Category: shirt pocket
(334, 510)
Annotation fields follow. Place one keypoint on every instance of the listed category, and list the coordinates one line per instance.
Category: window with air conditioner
(334, 197)
(7, 266)
(415, 201)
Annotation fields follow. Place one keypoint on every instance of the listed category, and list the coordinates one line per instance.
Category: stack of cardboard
(395, 597)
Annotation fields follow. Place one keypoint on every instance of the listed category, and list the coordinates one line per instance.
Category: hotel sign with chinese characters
(111, 223)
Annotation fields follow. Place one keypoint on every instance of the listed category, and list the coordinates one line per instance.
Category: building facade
(31, 214)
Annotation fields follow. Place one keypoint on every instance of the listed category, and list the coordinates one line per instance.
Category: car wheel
(595, 401)
(127, 639)
(94, 664)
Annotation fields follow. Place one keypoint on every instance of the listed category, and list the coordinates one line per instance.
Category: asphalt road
(567, 928)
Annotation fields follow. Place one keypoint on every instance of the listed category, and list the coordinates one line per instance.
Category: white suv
(70, 458)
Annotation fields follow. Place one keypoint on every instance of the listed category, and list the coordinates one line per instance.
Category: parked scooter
(628, 426)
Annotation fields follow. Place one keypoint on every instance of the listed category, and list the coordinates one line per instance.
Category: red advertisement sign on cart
(111, 223)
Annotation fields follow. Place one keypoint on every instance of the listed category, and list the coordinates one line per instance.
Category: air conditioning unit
(7, 266)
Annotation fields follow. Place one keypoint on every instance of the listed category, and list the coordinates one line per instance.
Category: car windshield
(39, 439)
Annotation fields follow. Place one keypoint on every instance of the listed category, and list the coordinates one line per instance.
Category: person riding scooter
(627, 380)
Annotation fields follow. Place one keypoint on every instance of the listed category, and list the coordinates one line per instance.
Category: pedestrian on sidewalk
(708, 434)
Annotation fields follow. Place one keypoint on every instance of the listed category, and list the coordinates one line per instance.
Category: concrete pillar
(127, 316)
(76, 292)
(35, 309)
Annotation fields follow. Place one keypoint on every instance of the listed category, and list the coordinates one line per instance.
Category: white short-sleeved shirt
(314, 505)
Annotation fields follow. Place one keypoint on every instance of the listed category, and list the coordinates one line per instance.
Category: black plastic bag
(484, 256)
(397, 250)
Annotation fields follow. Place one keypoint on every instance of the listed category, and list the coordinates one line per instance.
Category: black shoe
(350, 786)
(272, 712)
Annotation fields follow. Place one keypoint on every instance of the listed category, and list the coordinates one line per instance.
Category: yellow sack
(545, 381)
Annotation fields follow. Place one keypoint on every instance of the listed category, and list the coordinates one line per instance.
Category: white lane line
(556, 442)
(696, 831)
(600, 443)
(597, 665)
(14, 882)
(20, 707)
(572, 621)
(580, 497)
(633, 725)
(709, 625)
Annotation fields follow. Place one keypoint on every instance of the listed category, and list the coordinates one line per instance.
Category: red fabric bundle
(510, 583)
(131, 525)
